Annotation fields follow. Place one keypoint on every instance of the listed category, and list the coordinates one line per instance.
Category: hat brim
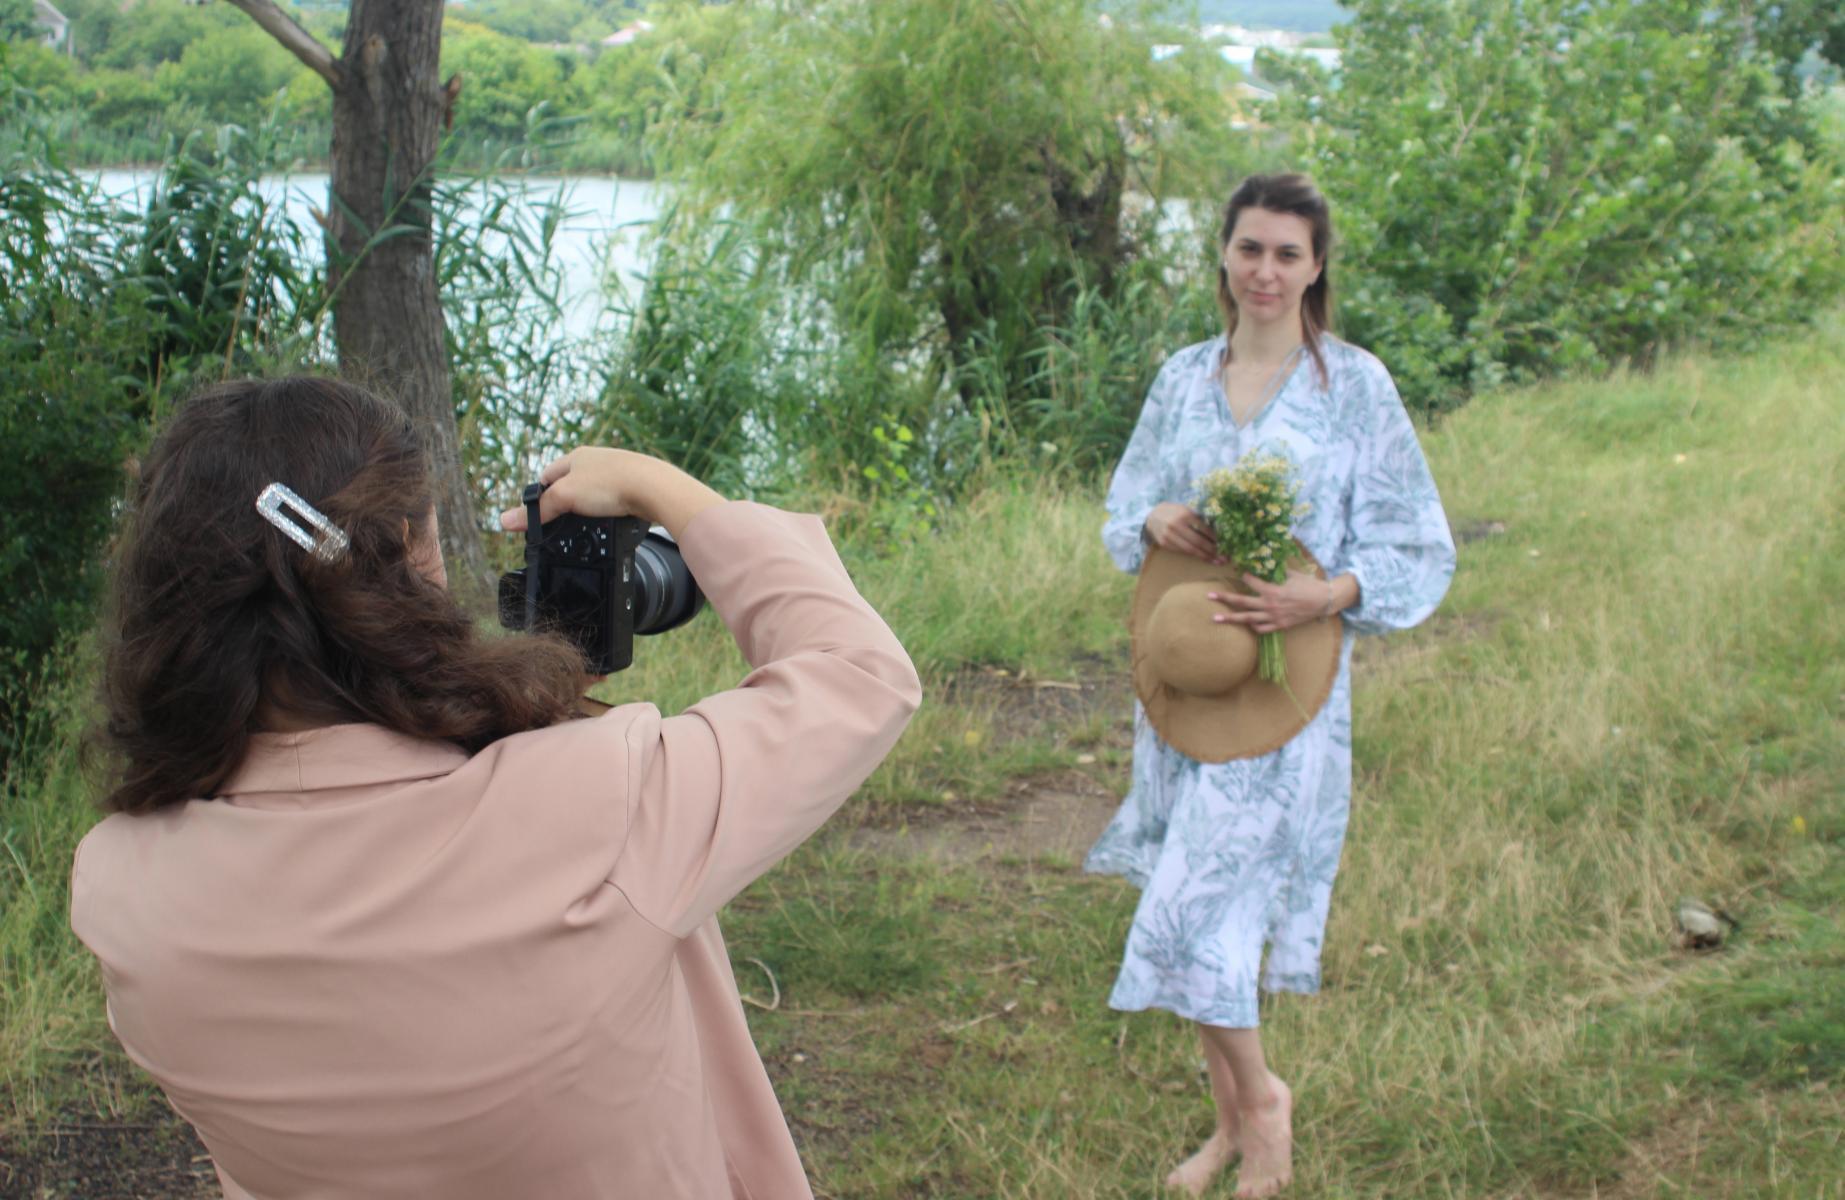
(1256, 717)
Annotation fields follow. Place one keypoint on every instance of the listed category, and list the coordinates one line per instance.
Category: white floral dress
(1230, 856)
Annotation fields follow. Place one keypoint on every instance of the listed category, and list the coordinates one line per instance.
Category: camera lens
(665, 594)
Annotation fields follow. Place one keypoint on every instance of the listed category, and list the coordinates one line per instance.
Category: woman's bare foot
(1196, 1173)
(1268, 1145)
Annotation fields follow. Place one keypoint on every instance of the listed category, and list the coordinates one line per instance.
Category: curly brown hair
(216, 618)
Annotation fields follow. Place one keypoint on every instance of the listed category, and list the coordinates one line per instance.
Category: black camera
(598, 581)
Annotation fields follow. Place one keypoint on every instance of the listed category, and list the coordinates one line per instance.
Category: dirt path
(1057, 814)
(1056, 817)
(157, 1159)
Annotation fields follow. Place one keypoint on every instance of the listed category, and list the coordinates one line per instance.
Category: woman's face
(1269, 258)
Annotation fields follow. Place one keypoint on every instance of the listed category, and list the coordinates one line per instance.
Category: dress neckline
(1278, 383)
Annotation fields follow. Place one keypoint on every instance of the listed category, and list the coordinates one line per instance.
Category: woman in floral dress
(1234, 857)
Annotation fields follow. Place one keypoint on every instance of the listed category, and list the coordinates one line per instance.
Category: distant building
(1274, 39)
(628, 33)
(1243, 57)
(54, 26)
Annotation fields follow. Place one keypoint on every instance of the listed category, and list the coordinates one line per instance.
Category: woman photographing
(1234, 834)
(380, 916)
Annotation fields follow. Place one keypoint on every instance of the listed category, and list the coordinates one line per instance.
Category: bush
(519, 374)
(629, 92)
(701, 376)
(128, 101)
(68, 414)
(104, 313)
(47, 74)
(502, 80)
(218, 262)
(161, 30)
(1532, 187)
(985, 173)
(229, 76)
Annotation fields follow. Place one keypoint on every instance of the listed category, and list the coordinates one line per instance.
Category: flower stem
(1272, 659)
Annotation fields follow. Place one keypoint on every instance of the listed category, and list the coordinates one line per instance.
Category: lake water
(599, 244)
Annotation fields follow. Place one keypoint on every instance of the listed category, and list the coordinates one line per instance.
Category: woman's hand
(1176, 527)
(1276, 606)
(595, 481)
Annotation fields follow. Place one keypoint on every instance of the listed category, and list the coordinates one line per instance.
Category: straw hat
(1197, 678)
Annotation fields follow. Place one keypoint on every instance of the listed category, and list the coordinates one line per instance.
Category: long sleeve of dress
(1397, 541)
(1138, 484)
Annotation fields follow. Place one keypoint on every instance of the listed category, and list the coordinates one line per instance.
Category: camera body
(598, 581)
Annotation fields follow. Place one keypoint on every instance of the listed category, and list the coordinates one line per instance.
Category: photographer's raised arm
(722, 792)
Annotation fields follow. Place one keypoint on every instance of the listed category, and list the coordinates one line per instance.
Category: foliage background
(539, 87)
(1532, 188)
(986, 175)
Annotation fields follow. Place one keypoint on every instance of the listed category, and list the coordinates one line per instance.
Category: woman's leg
(1264, 1113)
(1196, 1173)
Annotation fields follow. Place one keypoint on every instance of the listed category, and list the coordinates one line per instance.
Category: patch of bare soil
(1055, 816)
(1476, 529)
(159, 1159)
(1022, 705)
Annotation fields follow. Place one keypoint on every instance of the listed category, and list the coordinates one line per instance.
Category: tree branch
(296, 40)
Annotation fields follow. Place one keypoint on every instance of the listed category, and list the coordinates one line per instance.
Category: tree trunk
(387, 316)
(389, 109)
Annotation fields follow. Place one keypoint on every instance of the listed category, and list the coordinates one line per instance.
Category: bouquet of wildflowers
(1252, 508)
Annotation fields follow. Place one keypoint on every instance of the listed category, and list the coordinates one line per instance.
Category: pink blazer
(377, 967)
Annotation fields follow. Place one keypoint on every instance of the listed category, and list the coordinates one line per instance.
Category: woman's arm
(1137, 486)
(1398, 550)
(725, 790)
(720, 793)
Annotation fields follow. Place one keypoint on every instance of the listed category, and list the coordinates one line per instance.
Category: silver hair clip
(332, 541)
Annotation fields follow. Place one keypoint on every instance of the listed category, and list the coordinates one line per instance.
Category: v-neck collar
(1284, 375)
(338, 756)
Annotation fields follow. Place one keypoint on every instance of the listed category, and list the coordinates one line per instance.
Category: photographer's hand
(596, 481)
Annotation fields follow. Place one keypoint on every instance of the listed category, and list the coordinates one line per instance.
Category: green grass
(1633, 692)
